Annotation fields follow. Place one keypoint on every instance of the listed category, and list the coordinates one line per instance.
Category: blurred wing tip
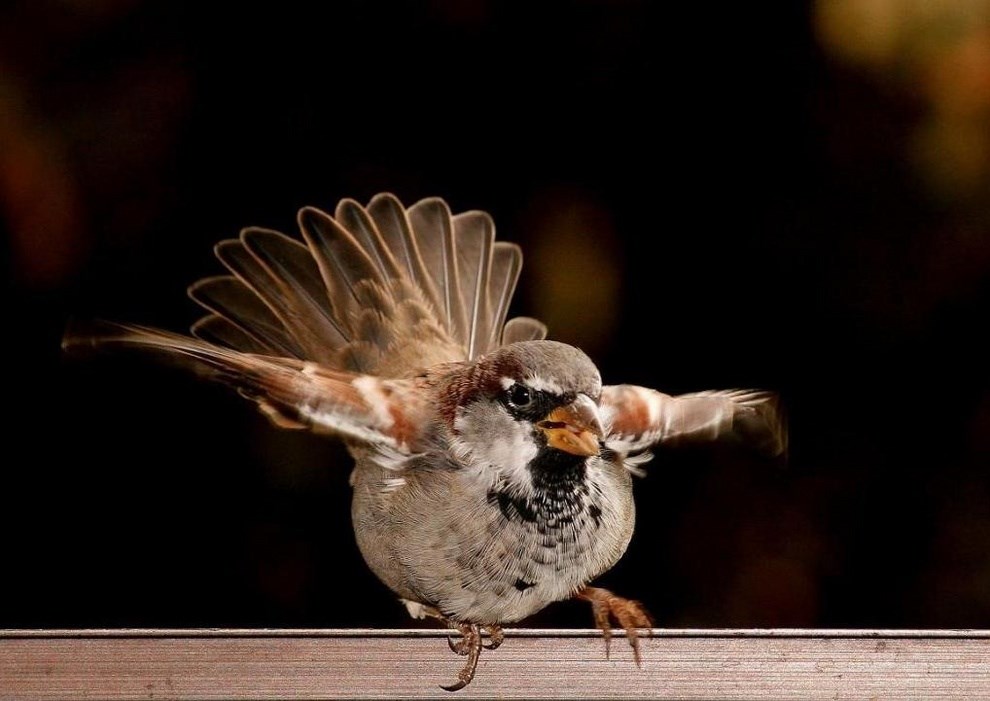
(768, 405)
(77, 334)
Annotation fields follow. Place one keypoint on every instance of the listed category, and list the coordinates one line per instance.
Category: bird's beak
(575, 428)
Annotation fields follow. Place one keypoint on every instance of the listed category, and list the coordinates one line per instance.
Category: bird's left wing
(638, 418)
(292, 393)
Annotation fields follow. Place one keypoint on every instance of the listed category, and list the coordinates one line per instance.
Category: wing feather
(360, 408)
(640, 418)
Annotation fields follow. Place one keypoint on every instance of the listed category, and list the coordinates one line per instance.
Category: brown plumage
(492, 469)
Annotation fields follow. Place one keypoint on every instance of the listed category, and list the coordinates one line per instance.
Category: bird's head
(529, 412)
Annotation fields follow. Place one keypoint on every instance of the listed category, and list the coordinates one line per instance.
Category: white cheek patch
(512, 453)
(489, 437)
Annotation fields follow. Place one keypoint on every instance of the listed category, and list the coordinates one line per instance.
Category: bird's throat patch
(560, 491)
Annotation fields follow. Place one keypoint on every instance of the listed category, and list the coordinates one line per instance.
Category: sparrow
(492, 468)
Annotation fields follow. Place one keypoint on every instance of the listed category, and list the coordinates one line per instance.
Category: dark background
(780, 195)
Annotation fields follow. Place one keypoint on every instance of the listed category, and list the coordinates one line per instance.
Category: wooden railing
(318, 664)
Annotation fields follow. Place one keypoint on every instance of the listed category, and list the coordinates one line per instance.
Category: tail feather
(221, 332)
(433, 228)
(292, 269)
(228, 297)
(344, 296)
(393, 224)
(355, 219)
(523, 328)
(342, 260)
(506, 266)
(474, 235)
(305, 320)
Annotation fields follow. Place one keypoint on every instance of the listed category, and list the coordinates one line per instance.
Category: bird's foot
(461, 646)
(470, 645)
(629, 614)
(495, 637)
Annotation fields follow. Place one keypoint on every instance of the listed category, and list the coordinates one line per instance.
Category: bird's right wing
(638, 418)
(384, 414)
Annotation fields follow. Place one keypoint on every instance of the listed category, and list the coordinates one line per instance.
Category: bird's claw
(629, 614)
(460, 646)
(495, 637)
(470, 645)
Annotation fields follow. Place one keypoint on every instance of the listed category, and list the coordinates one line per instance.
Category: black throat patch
(560, 491)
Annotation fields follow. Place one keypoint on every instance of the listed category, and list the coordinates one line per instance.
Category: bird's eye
(519, 396)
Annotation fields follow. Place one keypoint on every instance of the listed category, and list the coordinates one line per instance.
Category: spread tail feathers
(379, 289)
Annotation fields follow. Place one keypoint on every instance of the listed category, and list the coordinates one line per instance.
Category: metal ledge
(319, 664)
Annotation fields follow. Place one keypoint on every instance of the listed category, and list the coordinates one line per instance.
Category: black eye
(519, 396)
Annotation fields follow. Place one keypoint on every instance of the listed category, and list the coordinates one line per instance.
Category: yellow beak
(575, 428)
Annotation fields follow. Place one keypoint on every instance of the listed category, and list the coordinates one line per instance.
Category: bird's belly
(517, 571)
(481, 561)
(493, 569)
